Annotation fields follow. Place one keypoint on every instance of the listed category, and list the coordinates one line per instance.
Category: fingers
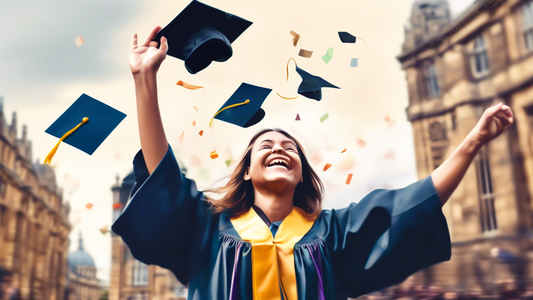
(164, 44)
(134, 41)
(151, 36)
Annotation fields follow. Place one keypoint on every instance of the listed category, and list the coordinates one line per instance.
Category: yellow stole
(273, 258)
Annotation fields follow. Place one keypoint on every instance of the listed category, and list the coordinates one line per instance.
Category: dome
(80, 257)
(47, 175)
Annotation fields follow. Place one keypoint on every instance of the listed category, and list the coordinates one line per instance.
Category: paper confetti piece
(324, 117)
(104, 230)
(328, 56)
(117, 205)
(361, 143)
(193, 123)
(89, 205)
(188, 86)
(286, 98)
(389, 154)
(387, 118)
(297, 117)
(326, 167)
(79, 41)
(195, 108)
(353, 63)
(180, 139)
(228, 162)
(213, 154)
(201, 132)
(349, 179)
(305, 53)
(295, 39)
(344, 150)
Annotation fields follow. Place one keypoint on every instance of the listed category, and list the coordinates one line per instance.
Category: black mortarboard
(311, 86)
(87, 137)
(243, 108)
(201, 34)
(346, 37)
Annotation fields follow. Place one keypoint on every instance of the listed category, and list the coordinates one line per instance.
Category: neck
(275, 206)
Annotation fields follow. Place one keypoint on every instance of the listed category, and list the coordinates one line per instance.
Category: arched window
(479, 59)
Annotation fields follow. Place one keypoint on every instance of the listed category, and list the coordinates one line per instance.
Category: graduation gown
(374, 243)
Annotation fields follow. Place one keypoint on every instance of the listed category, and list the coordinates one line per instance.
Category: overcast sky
(42, 73)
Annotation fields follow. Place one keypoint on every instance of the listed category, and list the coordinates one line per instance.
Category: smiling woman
(268, 237)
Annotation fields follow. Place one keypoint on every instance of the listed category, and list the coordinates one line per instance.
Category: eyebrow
(283, 142)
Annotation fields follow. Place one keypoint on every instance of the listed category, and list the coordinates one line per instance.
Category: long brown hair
(238, 194)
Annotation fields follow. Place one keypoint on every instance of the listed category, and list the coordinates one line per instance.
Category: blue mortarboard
(311, 86)
(346, 37)
(243, 108)
(87, 137)
(201, 34)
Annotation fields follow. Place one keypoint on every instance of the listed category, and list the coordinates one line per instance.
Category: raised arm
(144, 64)
(447, 176)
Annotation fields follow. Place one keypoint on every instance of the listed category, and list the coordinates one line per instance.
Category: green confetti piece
(228, 162)
(324, 117)
(328, 56)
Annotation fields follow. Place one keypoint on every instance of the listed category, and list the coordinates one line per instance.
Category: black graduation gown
(374, 243)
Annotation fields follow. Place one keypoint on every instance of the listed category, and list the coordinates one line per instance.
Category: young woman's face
(275, 162)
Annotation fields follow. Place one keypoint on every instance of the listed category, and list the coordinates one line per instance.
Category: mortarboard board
(243, 108)
(201, 34)
(87, 135)
(346, 37)
(311, 86)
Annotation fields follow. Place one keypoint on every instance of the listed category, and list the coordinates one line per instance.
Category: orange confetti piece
(79, 41)
(387, 118)
(201, 132)
(361, 143)
(193, 123)
(344, 150)
(195, 108)
(326, 167)
(349, 179)
(117, 205)
(295, 38)
(305, 53)
(213, 154)
(180, 139)
(188, 86)
(104, 230)
(89, 205)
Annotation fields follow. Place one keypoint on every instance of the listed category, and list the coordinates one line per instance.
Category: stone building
(82, 283)
(34, 225)
(130, 278)
(455, 70)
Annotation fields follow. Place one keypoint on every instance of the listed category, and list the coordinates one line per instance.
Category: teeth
(280, 162)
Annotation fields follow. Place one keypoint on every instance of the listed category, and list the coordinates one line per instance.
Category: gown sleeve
(166, 222)
(388, 236)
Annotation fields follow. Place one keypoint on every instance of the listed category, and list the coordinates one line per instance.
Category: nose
(277, 149)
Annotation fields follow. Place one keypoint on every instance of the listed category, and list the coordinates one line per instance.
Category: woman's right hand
(147, 57)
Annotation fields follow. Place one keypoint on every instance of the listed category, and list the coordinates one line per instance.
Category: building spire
(80, 247)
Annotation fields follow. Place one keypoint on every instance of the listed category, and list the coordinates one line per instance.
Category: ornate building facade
(455, 70)
(130, 278)
(34, 225)
(82, 283)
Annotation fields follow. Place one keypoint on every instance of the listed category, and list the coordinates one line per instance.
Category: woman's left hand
(493, 122)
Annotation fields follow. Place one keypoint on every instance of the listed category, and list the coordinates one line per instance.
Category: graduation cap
(84, 125)
(311, 85)
(243, 108)
(346, 37)
(201, 34)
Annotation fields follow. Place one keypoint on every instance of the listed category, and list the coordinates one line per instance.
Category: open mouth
(278, 163)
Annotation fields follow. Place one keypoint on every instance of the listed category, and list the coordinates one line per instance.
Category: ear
(247, 174)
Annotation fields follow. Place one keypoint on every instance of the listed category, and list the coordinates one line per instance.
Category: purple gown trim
(315, 250)
(233, 294)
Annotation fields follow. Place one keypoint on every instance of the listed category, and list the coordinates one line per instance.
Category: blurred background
(426, 71)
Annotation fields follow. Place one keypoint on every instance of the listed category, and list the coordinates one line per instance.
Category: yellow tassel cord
(362, 40)
(50, 155)
(224, 108)
(288, 98)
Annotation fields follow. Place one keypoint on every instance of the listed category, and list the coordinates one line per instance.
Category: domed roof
(46, 175)
(80, 257)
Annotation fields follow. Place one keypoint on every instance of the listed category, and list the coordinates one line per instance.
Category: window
(140, 274)
(479, 59)
(527, 19)
(432, 82)
(486, 196)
